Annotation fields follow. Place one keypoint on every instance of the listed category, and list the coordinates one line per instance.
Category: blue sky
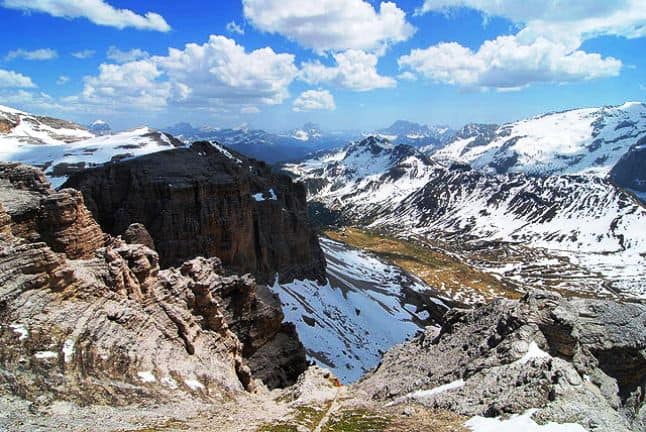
(345, 64)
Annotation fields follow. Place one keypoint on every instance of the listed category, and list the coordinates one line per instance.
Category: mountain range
(556, 212)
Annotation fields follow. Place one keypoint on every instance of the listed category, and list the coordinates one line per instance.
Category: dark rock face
(580, 361)
(629, 172)
(98, 321)
(203, 200)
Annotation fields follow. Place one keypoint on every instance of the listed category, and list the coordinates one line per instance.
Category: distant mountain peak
(100, 127)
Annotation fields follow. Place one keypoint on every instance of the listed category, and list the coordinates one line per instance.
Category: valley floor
(450, 275)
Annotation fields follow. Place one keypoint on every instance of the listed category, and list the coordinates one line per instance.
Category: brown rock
(110, 327)
(138, 234)
(201, 201)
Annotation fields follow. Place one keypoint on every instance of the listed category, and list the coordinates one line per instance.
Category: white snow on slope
(583, 219)
(581, 141)
(519, 423)
(359, 313)
(28, 128)
(426, 394)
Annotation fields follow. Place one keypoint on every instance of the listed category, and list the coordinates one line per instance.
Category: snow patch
(194, 384)
(518, 423)
(43, 355)
(20, 329)
(68, 350)
(425, 394)
(147, 376)
(533, 352)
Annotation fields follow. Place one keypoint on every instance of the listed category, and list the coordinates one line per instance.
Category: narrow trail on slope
(333, 407)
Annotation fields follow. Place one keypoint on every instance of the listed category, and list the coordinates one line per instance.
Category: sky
(343, 64)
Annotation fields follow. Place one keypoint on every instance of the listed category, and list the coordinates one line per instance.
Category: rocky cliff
(574, 361)
(90, 318)
(204, 200)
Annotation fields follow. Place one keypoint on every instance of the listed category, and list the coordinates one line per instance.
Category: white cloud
(331, 25)
(38, 54)
(11, 79)
(311, 100)
(507, 64)
(354, 69)
(407, 76)
(232, 27)
(97, 11)
(217, 73)
(84, 54)
(249, 110)
(63, 79)
(567, 22)
(119, 56)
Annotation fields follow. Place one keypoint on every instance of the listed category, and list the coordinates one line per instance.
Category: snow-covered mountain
(367, 175)
(582, 220)
(263, 145)
(365, 307)
(580, 141)
(99, 128)
(415, 134)
(61, 147)
(309, 132)
(19, 127)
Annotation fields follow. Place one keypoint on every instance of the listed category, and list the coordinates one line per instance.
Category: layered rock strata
(92, 319)
(576, 361)
(207, 201)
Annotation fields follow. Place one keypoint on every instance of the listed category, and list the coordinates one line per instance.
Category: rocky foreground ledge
(574, 360)
(88, 318)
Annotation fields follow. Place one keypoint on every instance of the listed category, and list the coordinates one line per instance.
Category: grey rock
(589, 368)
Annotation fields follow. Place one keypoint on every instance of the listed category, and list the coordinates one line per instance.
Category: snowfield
(581, 141)
(582, 219)
(61, 147)
(361, 311)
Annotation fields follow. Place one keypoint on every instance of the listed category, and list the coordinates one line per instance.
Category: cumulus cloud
(587, 18)
(312, 100)
(115, 54)
(354, 69)
(232, 27)
(547, 48)
(504, 63)
(84, 54)
(38, 54)
(97, 11)
(217, 73)
(11, 79)
(331, 25)
(62, 80)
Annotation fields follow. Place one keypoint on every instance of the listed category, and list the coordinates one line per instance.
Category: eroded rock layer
(90, 318)
(577, 361)
(203, 200)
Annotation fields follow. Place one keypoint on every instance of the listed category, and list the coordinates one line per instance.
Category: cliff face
(203, 200)
(90, 318)
(577, 361)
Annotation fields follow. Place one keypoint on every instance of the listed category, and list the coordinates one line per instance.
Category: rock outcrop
(577, 361)
(206, 201)
(98, 322)
(59, 219)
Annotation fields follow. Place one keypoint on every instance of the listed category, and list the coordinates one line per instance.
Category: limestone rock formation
(578, 361)
(136, 233)
(99, 322)
(59, 219)
(206, 201)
